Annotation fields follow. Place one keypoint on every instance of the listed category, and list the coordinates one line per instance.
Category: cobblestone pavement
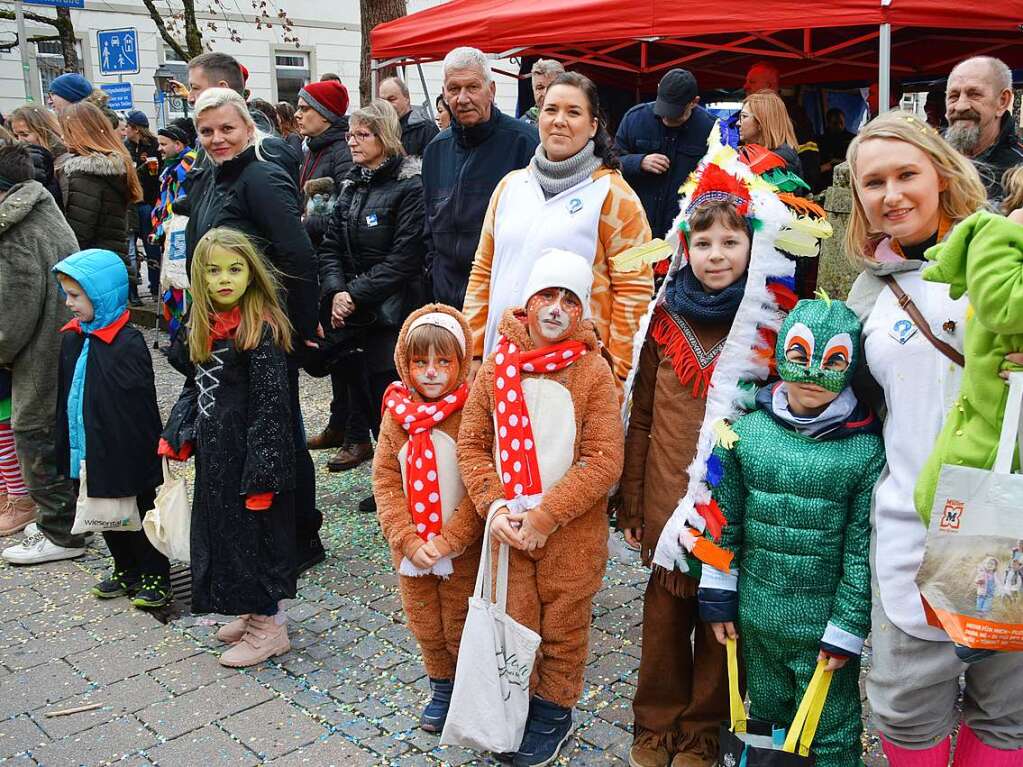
(349, 692)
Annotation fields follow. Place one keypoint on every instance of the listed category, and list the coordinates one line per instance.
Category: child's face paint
(433, 375)
(718, 255)
(553, 314)
(227, 278)
(76, 299)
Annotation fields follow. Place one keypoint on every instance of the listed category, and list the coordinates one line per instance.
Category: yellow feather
(648, 253)
(724, 435)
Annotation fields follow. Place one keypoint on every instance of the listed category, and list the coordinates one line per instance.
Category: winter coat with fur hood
(576, 427)
(96, 201)
(462, 525)
(33, 237)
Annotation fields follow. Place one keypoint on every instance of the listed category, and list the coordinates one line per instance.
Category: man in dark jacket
(417, 130)
(321, 119)
(660, 144)
(462, 167)
(978, 104)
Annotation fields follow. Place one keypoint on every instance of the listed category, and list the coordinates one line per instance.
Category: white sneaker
(36, 549)
(31, 529)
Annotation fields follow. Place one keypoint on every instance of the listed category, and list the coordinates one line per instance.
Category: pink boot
(935, 756)
(234, 631)
(972, 752)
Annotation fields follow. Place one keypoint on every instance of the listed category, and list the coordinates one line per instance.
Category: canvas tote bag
(168, 524)
(490, 701)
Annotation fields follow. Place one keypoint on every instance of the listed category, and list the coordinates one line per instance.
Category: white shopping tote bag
(490, 702)
(168, 524)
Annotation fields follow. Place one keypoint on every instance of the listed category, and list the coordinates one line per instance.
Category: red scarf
(422, 486)
(520, 472)
(225, 324)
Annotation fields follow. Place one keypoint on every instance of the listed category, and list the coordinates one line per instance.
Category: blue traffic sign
(120, 96)
(57, 3)
(118, 51)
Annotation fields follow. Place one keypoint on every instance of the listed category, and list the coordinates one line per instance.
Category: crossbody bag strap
(907, 305)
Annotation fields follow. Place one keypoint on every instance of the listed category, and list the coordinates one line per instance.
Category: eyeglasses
(359, 136)
(745, 116)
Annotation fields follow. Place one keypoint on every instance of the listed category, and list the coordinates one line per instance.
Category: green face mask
(819, 344)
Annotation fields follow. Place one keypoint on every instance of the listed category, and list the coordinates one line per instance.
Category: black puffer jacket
(373, 248)
(259, 198)
(96, 201)
(417, 130)
(326, 156)
(43, 172)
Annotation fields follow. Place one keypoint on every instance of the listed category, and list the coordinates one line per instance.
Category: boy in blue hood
(108, 422)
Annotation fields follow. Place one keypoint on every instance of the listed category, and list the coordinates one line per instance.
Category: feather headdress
(748, 352)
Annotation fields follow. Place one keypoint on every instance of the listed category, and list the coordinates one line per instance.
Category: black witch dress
(235, 410)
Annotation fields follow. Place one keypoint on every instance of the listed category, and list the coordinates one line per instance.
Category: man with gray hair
(978, 105)
(462, 167)
(542, 74)
(417, 129)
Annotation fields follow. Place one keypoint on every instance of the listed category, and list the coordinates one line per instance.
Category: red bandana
(520, 472)
(422, 488)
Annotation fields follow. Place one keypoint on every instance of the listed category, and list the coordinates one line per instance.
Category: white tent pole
(884, 67)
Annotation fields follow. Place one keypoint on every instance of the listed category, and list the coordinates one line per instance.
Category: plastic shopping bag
(972, 570)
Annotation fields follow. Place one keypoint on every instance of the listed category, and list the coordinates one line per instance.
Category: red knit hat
(245, 72)
(329, 98)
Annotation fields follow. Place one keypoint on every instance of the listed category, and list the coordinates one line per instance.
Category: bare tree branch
(164, 33)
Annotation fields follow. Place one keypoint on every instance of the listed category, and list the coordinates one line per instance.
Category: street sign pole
(23, 45)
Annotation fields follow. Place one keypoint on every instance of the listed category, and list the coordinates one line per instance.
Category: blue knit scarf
(685, 296)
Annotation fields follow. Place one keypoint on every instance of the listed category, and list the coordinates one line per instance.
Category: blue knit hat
(137, 118)
(71, 87)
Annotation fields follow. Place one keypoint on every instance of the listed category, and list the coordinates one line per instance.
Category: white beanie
(561, 269)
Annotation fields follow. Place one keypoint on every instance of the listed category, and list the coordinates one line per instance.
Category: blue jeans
(984, 603)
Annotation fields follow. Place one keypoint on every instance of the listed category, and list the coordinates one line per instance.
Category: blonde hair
(87, 132)
(1012, 186)
(259, 304)
(775, 125)
(963, 193)
(214, 98)
(41, 122)
(379, 117)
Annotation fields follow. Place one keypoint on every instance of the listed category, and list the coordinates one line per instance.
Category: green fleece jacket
(983, 258)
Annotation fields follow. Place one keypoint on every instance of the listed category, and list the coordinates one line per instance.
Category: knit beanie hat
(329, 98)
(71, 87)
(137, 118)
(561, 269)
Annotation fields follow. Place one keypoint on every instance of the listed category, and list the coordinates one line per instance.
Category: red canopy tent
(633, 43)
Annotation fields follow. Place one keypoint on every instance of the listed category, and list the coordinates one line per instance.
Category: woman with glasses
(371, 258)
(764, 120)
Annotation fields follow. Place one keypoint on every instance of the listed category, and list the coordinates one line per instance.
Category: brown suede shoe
(350, 456)
(17, 514)
(640, 756)
(326, 439)
(692, 760)
(233, 632)
(263, 639)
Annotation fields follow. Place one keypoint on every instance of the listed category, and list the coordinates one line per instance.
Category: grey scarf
(557, 176)
(836, 414)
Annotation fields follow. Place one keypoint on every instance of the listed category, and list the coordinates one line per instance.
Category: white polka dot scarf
(422, 487)
(520, 472)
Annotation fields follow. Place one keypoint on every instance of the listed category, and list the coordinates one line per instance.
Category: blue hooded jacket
(104, 278)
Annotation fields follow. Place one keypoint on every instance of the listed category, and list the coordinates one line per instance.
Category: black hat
(674, 92)
(174, 133)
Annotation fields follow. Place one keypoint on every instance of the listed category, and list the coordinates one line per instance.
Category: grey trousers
(913, 685)
(52, 492)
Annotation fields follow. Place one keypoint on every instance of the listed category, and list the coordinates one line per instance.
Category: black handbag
(745, 742)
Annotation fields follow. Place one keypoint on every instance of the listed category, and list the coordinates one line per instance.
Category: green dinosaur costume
(983, 257)
(796, 496)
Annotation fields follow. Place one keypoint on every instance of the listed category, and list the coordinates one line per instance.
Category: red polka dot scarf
(520, 472)
(422, 486)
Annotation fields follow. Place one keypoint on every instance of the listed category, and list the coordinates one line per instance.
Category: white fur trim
(441, 568)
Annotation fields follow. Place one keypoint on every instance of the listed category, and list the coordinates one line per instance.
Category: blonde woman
(98, 180)
(243, 188)
(909, 188)
(371, 258)
(764, 120)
